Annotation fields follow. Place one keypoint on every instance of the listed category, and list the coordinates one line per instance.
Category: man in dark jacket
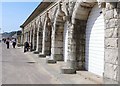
(26, 46)
(7, 42)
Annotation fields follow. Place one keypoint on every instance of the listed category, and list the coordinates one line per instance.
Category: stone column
(112, 43)
(30, 36)
(51, 59)
(33, 41)
(57, 44)
(57, 36)
(70, 67)
(35, 38)
(41, 42)
(38, 41)
(45, 36)
(27, 35)
(40, 36)
(22, 37)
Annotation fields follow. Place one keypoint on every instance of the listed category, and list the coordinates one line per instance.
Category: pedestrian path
(82, 77)
(19, 68)
(27, 68)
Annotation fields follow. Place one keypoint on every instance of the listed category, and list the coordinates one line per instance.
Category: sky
(13, 14)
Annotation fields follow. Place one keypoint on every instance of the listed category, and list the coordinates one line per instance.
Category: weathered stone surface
(66, 70)
(109, 14)
(111, 56)
(50, 61)
(115, 13)
(111, 43)
(59, 44)
(109, 81)
(72, 56)
(110, 6)
(118, 5)
(113, 71)
(81, 65)
(111, 33)
(71, 48)
(57, 50)
(42, 55)
(72, 63)
(111, 23)
(58, 57)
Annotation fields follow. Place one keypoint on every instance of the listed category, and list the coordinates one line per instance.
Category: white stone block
(111, 71)
(111, 42)
(111, 56)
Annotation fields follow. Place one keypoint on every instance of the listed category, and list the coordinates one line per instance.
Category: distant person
(13, 43)
(7, 43)
(4, 40)
(26, 46)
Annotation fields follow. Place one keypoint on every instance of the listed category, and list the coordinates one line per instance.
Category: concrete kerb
(49, 60)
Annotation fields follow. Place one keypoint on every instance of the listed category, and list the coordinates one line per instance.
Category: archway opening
(89, 37)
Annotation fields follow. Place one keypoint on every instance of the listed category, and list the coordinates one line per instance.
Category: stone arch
(57, 35)
(76, 52)
(39, 36)
(47, 30)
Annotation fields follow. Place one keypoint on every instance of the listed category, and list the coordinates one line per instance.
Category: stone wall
(57, 34)
(57, 47)
(80, 28)
(111, 72)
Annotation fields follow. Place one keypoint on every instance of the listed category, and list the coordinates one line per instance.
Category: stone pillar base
(42, 55)
(58, 57)
(110, 81)
(66, 70)
(49, 60)
(69, 67)
(36, 52)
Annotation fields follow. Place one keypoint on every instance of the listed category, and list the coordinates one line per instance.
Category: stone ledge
(51, 61)
(36, 52)
(42, 55)
(66, 70)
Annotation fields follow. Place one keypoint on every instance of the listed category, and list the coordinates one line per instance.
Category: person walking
(7, 43)
(26, 46)
(13, 43)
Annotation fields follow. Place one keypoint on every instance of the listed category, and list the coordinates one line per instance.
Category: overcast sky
(14, 14)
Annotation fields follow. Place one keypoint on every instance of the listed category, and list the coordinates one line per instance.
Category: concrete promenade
(27, 68)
